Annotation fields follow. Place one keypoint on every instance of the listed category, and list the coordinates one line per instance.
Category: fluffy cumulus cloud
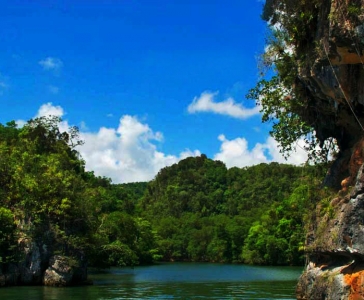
(128, 152)
(49, 109)
(206, 103)
(46, 110)
(235, 153)
(51, 64)
(297, 157)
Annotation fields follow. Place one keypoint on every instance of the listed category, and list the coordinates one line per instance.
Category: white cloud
(297, 157)
(49, 109)
(51, 64)
(126, 153)
(235, 153)
(20, 123)
(206, 103)
(83, 126)
(46, 110)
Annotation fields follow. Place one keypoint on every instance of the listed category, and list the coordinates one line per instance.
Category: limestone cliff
(36, 264)
(321, 46)
(331, 78)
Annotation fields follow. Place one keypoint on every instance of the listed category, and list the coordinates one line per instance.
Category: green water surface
(174, 281)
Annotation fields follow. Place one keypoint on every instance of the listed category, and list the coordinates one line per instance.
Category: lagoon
(174, 281)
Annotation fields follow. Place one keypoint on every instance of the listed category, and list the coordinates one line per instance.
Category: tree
(7, 234)
(286, 98)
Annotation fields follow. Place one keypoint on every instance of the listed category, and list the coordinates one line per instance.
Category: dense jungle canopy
(196, 210)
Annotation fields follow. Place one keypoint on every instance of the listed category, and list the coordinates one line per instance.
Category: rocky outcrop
(331, 79)
(334, 283)
(336, 246)
(331, 74)
(336, 261)
(32, 267)
(38, 266)
(64, 271)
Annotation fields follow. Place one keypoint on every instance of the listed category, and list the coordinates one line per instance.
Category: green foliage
(278, 237)
(296, 18)
(118, 254)
(196, 210)
(284, 98)
(46, 190)
(354, 9)
(256, 214)
(192, 185)
(7, 234)
(326, 208)
(354, 12)
(281, 107)
(124, 240)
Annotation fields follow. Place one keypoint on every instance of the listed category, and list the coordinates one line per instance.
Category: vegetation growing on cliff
(46, 192)
(283, 98)
(195, 210)
(305, 97)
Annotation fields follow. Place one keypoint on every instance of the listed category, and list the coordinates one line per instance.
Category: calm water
(174, 281)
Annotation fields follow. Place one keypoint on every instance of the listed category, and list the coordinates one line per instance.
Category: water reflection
(174, 281)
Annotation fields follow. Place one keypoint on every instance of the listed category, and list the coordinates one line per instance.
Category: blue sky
(148, 82)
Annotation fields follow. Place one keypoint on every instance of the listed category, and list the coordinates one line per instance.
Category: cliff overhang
(327, 38)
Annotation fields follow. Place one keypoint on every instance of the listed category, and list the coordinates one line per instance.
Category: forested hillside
(196, 210)
(204, 212)
(51, 205)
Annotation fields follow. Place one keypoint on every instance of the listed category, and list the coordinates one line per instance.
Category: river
(174, 281)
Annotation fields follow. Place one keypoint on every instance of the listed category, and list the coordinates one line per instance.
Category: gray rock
(333, 77)
(39, 267)
(31, 268)
(61, 271)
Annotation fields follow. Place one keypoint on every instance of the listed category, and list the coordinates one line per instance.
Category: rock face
(40, 267)
(332, 76)
(336, 261)
(63, 271)
(336, 243)
(32, 267)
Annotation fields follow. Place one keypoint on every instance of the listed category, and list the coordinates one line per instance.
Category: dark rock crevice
(37, 265)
